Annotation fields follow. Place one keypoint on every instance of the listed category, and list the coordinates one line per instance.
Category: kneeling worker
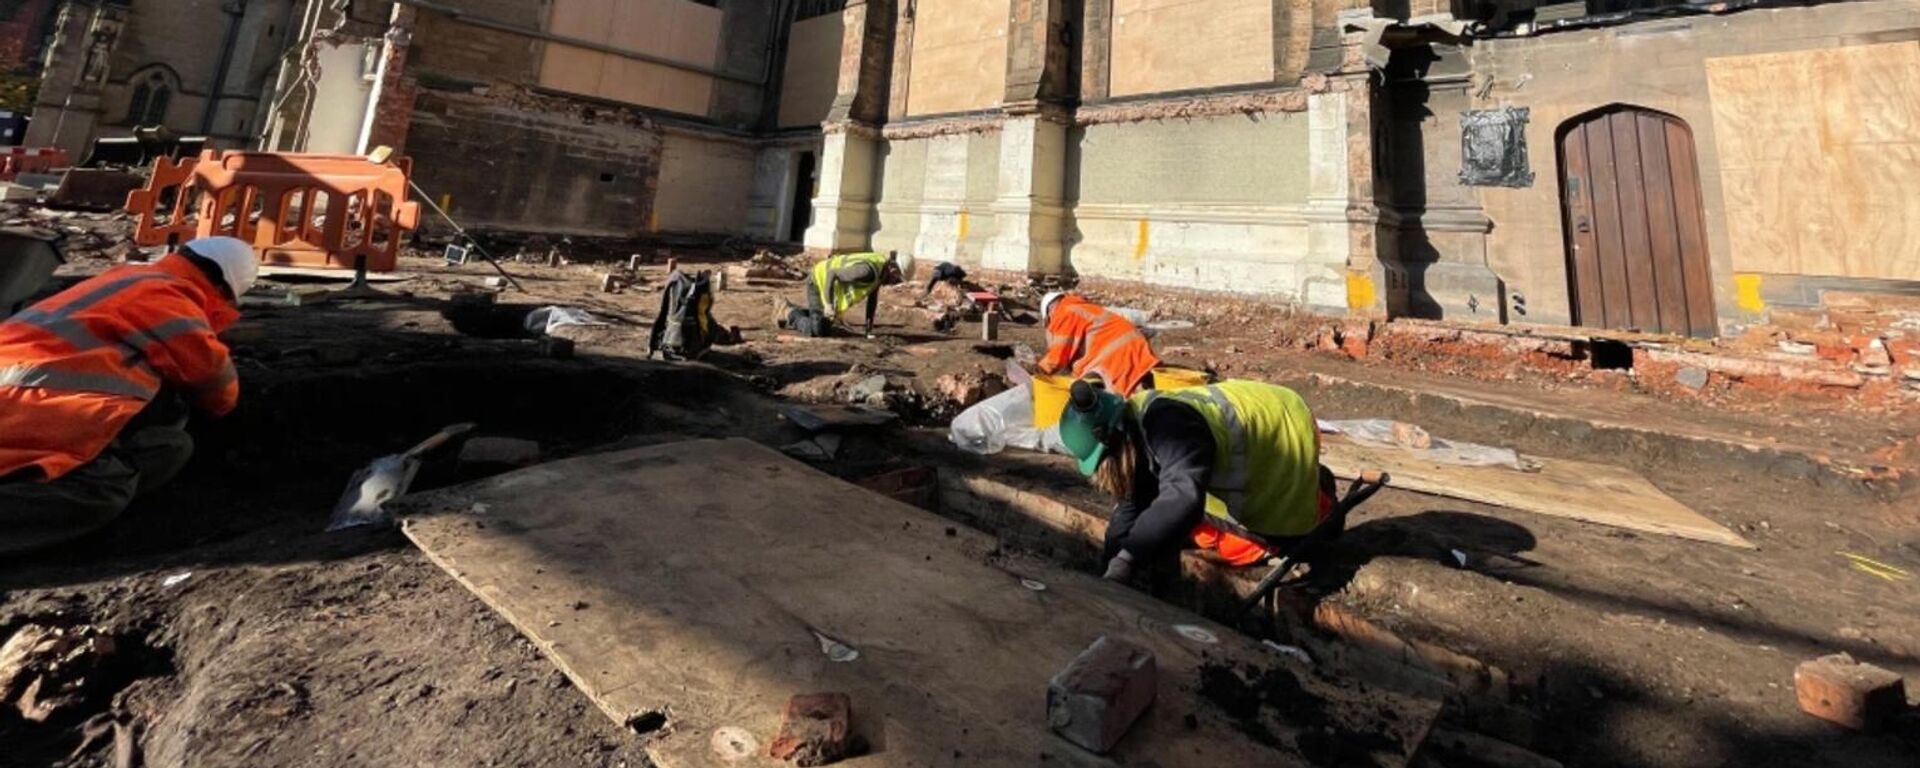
(91, 388)
(1084, 338)
(838, 283)
(1200, 463)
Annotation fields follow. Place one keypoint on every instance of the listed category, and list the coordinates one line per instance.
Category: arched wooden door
(1636, 237)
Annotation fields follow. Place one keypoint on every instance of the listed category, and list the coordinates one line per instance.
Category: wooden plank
(816, 418)
(1642, 301)
(1582, 248)
(1663, 232)
(1592, 493)
(1827, 185)
(1606, 224)
(1696, 259)
(695, 580)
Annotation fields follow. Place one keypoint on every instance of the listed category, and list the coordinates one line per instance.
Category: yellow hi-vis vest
(1266, 453)
(843, 295)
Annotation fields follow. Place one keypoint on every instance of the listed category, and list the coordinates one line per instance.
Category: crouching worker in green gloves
(1234, 467)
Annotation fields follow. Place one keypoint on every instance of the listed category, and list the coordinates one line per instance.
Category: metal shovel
(385, 479)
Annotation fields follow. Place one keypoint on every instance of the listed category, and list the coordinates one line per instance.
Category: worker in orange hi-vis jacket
(1084, 338)
(95, 383)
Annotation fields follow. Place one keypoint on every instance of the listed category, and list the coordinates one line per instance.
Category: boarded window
(1493, 148)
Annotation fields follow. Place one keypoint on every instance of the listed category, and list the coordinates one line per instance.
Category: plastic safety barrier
(18, 160)
(297, 210)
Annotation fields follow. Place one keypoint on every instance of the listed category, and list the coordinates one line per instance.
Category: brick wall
(393, 114)
(22, 34)
(448, 49)
(516, 161)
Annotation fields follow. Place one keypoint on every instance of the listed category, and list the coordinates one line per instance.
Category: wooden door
(1636, 237)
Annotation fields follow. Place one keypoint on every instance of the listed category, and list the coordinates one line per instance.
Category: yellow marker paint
(1360, 291)
(1747, 293)
(446, 201)
(653, 221)
(1874, 567)
(1868, 570)
(963, 225)
(1140, 243)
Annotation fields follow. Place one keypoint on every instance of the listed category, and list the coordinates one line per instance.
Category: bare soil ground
(289, 646)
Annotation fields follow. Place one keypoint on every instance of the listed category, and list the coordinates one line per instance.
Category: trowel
(387, 478)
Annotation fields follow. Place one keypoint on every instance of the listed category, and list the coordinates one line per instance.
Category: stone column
(1096, 52)
(68, 105)
(1029, 207)
(1344, 273)
(843, 207)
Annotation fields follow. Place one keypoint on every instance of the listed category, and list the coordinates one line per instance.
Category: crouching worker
(1200, 464)
(1085, 339)
(95, 382)
(837, 284)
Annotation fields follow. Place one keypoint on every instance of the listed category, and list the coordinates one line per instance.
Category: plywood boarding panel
(1820, 160)
(584, 19)
(1576, 490)
(1173, 45)
(959, 56)
(570, 69)
(697, 579)
(674, 30)
(813, 70)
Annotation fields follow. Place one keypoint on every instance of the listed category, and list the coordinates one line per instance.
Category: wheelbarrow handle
(439, 439)
(1363, 488)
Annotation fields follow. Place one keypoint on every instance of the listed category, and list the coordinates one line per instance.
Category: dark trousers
(811, 321)
(1162, 536)
(147, 453)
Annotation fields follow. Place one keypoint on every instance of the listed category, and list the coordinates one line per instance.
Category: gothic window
(151, 96)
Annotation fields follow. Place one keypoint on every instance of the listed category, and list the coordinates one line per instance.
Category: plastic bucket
(1050, 395)
(1166, 379)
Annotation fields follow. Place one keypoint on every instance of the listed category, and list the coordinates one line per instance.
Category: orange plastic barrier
(18, 160)
(298, 210)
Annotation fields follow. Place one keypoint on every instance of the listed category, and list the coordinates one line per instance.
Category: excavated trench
(264, 480)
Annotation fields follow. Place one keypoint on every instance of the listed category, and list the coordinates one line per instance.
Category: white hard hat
(1046, 304)
(233, 256)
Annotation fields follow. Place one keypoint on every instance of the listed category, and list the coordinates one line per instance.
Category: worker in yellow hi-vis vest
(1205, 463)
(836, 285)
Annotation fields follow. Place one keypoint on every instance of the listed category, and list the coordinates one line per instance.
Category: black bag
(685, 327)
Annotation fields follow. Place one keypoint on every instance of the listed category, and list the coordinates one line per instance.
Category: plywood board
(1592, 493)
(697, 579)
(1820, 159)
(1175, 45)
(673, 30)
(812, 70)
(959, 59)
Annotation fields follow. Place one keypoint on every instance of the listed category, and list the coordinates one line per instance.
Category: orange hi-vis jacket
(75, 368)
(1084, 338)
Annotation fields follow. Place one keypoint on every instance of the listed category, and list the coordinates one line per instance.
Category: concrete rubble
(1097, 696)
(815, 729)
(1847, 692)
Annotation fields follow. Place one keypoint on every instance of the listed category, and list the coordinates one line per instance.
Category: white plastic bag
(1379, 434)
(1003, 421)
(546, 319)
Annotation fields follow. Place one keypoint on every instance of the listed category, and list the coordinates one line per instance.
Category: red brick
(1841, 690)
(1097, 697)
(815, 729)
